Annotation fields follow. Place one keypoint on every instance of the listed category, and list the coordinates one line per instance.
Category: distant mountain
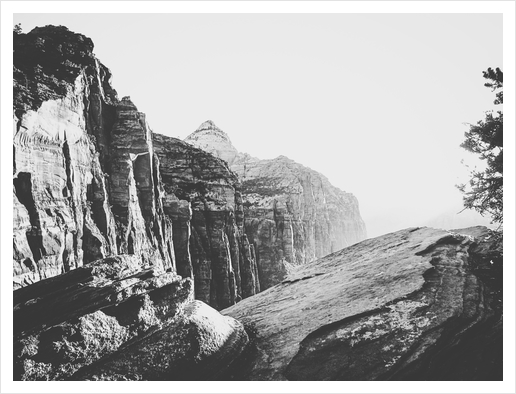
(292, 214)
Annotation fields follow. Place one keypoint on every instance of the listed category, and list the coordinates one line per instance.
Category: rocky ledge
(418, 304)
(117, 319)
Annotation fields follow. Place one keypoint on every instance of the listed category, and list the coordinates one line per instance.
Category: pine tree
(484, 193)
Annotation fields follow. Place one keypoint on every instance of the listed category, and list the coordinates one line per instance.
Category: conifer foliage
(484, 192)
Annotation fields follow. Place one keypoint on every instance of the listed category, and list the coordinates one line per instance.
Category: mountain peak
(213, 140)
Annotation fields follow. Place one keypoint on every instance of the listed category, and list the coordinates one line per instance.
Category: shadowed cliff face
(293, 214)
(88, 181)
(203, 198)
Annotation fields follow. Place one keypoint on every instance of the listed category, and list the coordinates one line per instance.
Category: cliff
(91, 180)
(202, 197)
(417, 304)
(293, 214)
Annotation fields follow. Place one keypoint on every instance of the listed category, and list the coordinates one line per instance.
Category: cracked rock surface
(417, 304)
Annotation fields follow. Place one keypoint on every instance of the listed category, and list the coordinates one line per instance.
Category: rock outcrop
(293, 214)
(418, 304)
(89, 183)
(119, 319)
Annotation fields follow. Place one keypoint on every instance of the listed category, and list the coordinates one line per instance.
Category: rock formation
(117, 230)
(293, 214)
(418, 304)
(89, 183)
(112, 320)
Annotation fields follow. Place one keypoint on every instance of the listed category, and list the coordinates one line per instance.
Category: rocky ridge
(293, 214)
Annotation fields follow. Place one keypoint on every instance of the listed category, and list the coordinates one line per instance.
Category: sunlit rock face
(293, 214)
(62, 103)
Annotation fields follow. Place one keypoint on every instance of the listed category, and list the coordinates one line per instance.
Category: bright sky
(376, 102)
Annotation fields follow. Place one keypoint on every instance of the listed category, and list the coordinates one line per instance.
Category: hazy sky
(376, 102)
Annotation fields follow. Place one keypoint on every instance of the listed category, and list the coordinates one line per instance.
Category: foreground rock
(116, 308)
(293, 214)
(418, 304)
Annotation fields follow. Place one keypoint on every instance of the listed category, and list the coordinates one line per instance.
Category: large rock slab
(418, 304)
(92, 180)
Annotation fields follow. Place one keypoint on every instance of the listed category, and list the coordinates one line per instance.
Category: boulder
(200, 344)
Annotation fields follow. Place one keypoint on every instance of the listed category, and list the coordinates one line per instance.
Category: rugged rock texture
(62, 98)
(293, 214)
(121, 310)
(200, 344)
(202, 197)
(418, 304)
(88, 183)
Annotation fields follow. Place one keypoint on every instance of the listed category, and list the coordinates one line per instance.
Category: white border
(8, 8)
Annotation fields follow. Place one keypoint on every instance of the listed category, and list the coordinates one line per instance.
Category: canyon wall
(293, 214)
(91, 180)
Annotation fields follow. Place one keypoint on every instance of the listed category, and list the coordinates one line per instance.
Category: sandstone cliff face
(202, 197)
(418, 304)
(88, 181)
(62, 214)
(293, 214)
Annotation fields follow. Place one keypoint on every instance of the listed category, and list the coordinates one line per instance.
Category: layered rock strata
(293, 214)
(63, 102)
(87, 323)
(418, 304)
(88, 184)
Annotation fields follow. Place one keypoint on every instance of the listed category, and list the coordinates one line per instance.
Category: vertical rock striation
(83, 178)
(293, 214)
(202, 197)
(62, 98)
(88, 182)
